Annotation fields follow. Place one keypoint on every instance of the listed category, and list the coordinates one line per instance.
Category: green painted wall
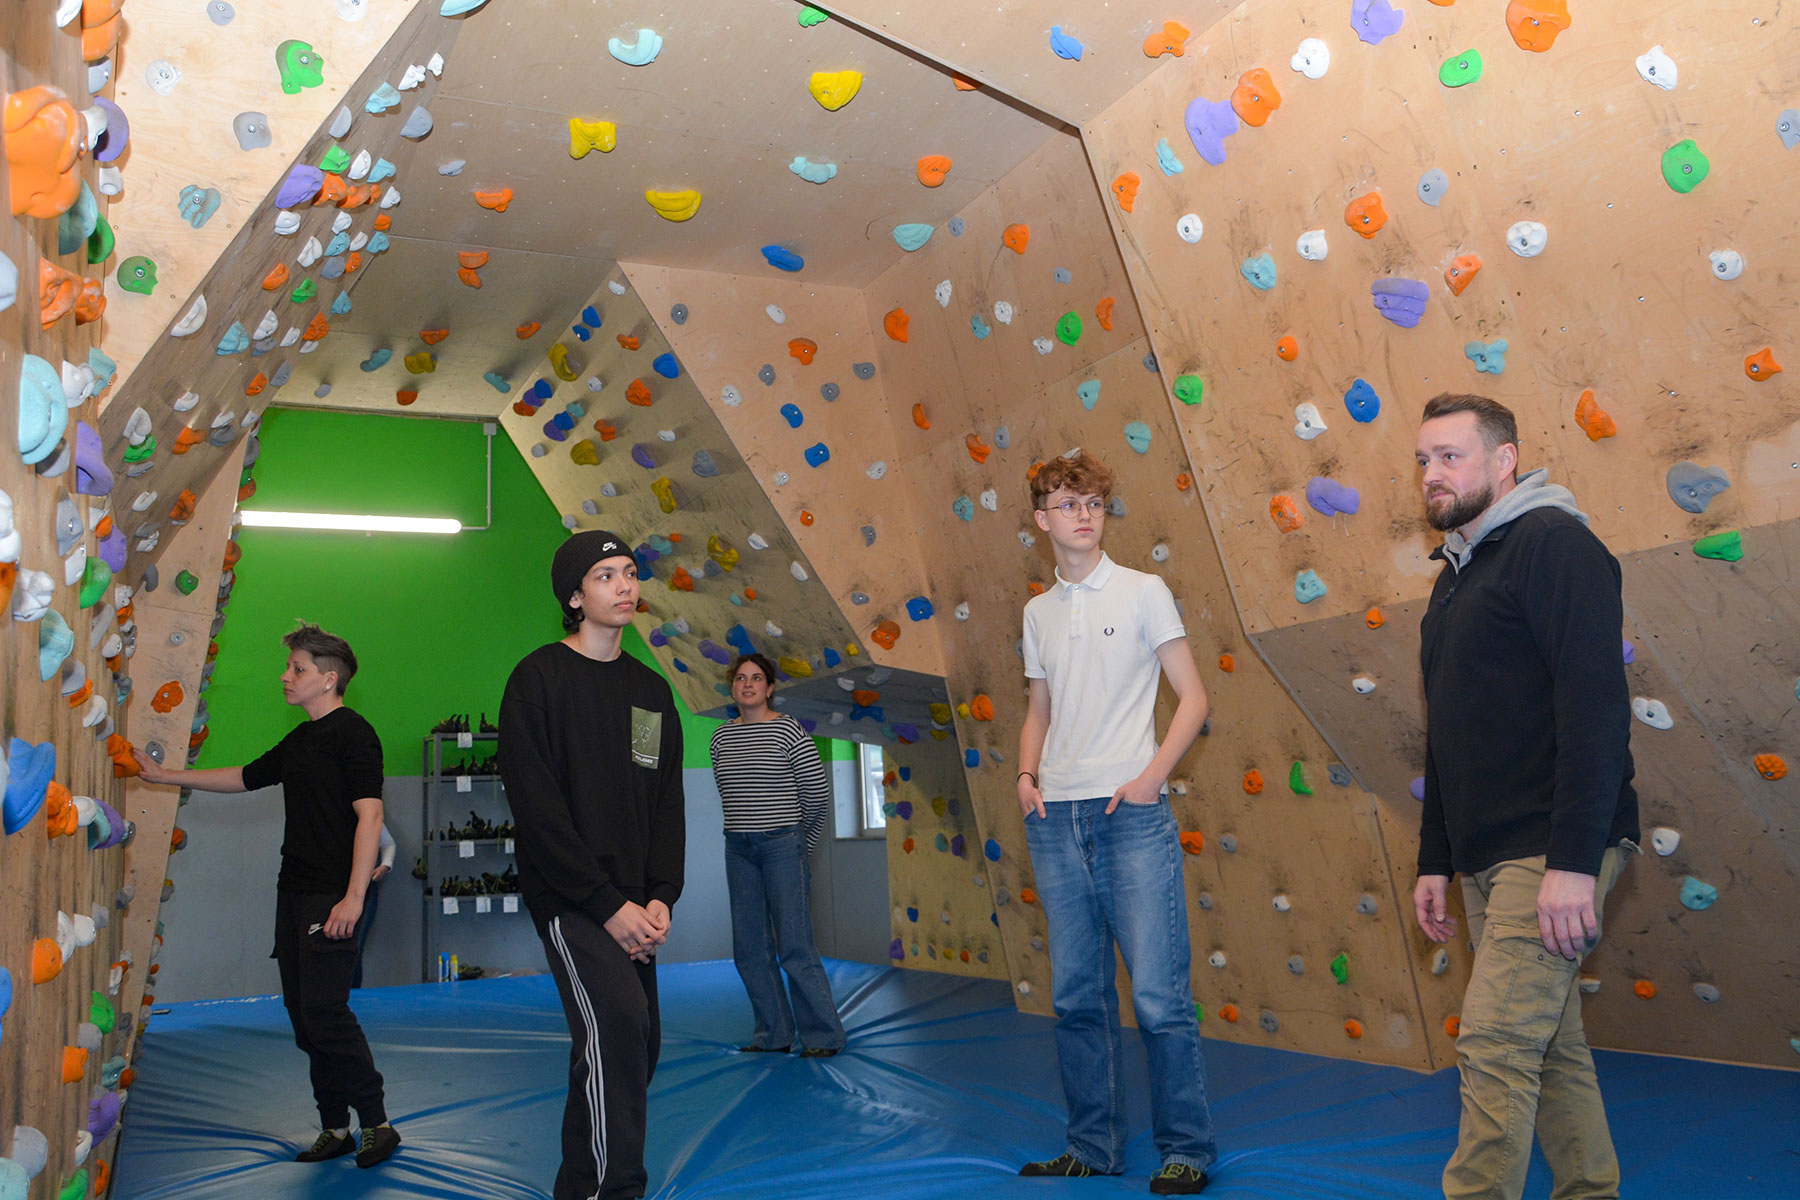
(437, 622)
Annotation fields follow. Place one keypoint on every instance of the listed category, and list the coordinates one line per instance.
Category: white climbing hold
(665, 435)
(776, 314)
(359, 168)
(1527, 238)
(1653, 713)
(730, 397)
(990, 500)
(340, 222)
(310, 253)
(1159, 552)
(797, 571)
(1308, 424)
(1312, 246)
(267, 326)
(435, 65)
(1189, 228)
(1440, 961)
(391, 197)
(185, 401)
(1283, 904)
(1363, 685)
(962, 611)
(110, 179)
(1216, 959)
(1024, 987)
(757, 541)
(615, 287)
(1658, 68)
(595, 383)
(1588, 984)
(1312, 59)
(412, 77)
(1663, 840)
(1042, 345)
(1003, 312)
(195, 317)
(943, 293)
(876, 469)
(1027, 539)
(773, 630)
(1726, 264)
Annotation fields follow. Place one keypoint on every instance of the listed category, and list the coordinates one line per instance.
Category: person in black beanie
(590, 755)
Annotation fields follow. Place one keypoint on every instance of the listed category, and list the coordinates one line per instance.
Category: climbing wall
(1354, 209)
(1022, 341)
(943, 907)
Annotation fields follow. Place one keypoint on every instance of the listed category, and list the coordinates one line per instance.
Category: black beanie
(577, 556)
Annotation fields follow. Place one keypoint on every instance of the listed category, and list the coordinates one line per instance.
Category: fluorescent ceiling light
(349, 522)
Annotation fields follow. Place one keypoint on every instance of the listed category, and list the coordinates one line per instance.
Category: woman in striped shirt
(776, 797)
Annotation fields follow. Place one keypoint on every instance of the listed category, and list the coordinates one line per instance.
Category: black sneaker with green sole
(1178, 1179)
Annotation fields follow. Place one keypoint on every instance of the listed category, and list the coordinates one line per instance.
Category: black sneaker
(377, 1144)
(764, 1049)
(817, 1052)
(1064, 1164)
(329, 1145)
(1178, 1179)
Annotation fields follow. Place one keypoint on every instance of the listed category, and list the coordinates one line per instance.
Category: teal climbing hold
(963, 507)
(813, 172)
(1088, 392)
(1165, 158)
(912, 235)
(341, 305)
(235, 341)
(1696, 895)
(377, 359)
(1137, 436)
(1489, 358)
(979, 326)
(381, 170)
(1259, 271)
(498, 382)
(1308, 586)
(382, 98)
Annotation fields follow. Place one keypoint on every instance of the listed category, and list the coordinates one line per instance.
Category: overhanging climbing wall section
(1007, 359)
(943, 905)
(1329, 223)
(788, 369)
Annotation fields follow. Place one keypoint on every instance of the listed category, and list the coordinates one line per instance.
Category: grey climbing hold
(1440, 961)
(1296, 965)
(322, 391)
(1205, 901)
(1268, 1021)
(282, 374)
(1434, 185)
(1787, 127)
(453, 167)
(1706, 993)
(592, 509)
(704, 465)
(679, 314)
(1367, 905)
(1228, 843)
(1339, 774)
(418, 123)
(1002, 438)
(955, 226)
(1001, 896)
(868, 532)
(1150, 363)
(251, 128)
(332, 268)
(1062, 275)
(766, 373)
(829, 390)
(340, 121)
(1692, 486)
(609, 490)
(1115, 507)
(863, 370)
(859, 598)
(220, 13)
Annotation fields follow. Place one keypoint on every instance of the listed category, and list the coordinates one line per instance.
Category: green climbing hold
(100, 242)
(1727, 546)
(142, 451)
(1684, 168)
(1460, 69)
(76, 1187)
(96, 580)
(300, 66)
(1189, 389)
(1199, 1012)
(1068, 328)
(137, 274)
(101, 1012)
(306, 291)
(335, 160)
(810, 16)
(1297, 780)
(1340, 967)
(186, 582)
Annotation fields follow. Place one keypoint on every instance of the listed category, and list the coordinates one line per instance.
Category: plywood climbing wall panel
(943, 904)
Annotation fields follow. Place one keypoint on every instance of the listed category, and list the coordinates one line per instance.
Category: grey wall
(218, 925)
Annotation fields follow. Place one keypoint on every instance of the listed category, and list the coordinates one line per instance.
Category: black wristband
(1032, 777)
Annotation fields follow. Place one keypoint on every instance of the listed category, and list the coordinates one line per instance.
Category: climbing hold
(1375, 20)
(1064, 45)
(1527, 238)
(1373, 619)
(894, 324)
(885, 635)
(1015, 237)
(299, 65)
(1137, 436)
(963, 507)
(591, 135)
(931, 169)
(1653, 713)
(1285, 513)
(1312, 59)
(1208, 124)
(496, 200)
(1461, 272)
(235, 341)
(377, 359)
(1332, 498)
(1362, 401)
(1726, 264)
(1401, 301)
(251, 130)
(783, 259)
(1594, 421)
(422, 362)
(1308, 424)
(1460, 69)
(639, 53)
(1697, 895)
(1255, 97)
(1365, 214)
(663, 364)
(912, 235)
(834, 89)
(1692, 487)
(1253, 782)
(1664, 840)
(817, 455)
(1088, 391)
(1068, 328)
(792, 415)
(766, 373)
(1762, 366)
(197, 204)
(1171, 39)
(1770, 766)
(1259, 271)
(1308, 586)
(1287, 349)
(1489, 358)
(1727, 546)
(674, 206)
(137, 274)
(1125, 189)
(1432, 186)
(1362, 685)
(1534, 24)
(1684, 167)
(1297, 780)
(1312, 246)
(1658, 68)
(1643, 989)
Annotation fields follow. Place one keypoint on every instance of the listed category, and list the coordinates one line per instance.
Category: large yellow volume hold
(834, 89)
(674, 206)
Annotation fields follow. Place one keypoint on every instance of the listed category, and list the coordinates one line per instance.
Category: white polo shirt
(1095, 643)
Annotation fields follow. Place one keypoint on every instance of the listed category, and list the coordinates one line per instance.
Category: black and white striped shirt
(770, 775)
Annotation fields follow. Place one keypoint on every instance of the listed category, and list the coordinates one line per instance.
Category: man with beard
(1528, 794)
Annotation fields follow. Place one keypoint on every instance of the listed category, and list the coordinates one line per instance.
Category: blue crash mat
(944, 1090)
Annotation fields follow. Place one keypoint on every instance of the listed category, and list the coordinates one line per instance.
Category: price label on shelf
(484, 904)
(509, 848)
(509, 904)
(463, 783)
(451, 907)
(465, 849)
(465, 741)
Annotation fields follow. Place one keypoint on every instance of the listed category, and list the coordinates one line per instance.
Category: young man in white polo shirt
(1104, 847)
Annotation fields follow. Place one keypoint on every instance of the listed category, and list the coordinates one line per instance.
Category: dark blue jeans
(1103, 878)
(771, 931)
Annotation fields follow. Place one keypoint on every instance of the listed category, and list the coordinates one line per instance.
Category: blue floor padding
(945, 1089)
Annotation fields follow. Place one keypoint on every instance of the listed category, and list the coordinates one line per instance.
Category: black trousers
(615, 1034)
(315, 987)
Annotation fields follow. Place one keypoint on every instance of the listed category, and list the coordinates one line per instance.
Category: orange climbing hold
(919, 417)
(1103, 312)
(628, 341)
(1762, 366)
(1365, 214)
(1452, 1023)
(57, 289)
(1285, 513)
(981, 708)
(803, 349)
(1353, 1029)
(1193, 842)
(907, 845)
(978, 449)
(277, 277)
(1228, 1013)
(806, 517)
(167, 697)
(1227, 663)
(352, 261)
(90, 301)
(358, 195)
(605, 428)
(100, 35)
(1594, 420)
(332, 191)
(183, 508)
(681, 581)
(1125, 189)
(1183, 481)
(522, 408)
(1461, 272)
(256, 385)
(1373, 619)
(74, 1064)
(474, 260)
(895, 324)
(1771, 766)
(1287, 349)
(1028, 895)
(384, 221)
(1034, 588)
(1255, 97)
(1643, 989)
(638, 392)
(527, 330)
(885, 635)
(46, 958)
(1015, 237)
(44, 143)
(1170, 39)
(60, 817)
(964, 83)
(932, 169)
(1253, 782)
(316, 328)
(495, 200)
(187, 439)
(405, 396)
(863, 698)
(1534, 24)
(432, 337)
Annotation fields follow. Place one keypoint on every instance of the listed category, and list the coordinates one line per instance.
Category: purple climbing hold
(1331, 498)
(713, 652)
(957, 844)
(1630, 651)
(904, 810)
(1401, 301)
(1209, 123)
(111, 144)
(658, 638)
(896, 951)
(907, 733)
(1418, 788)
(303, 182)
(1375, 20)
(640, 454)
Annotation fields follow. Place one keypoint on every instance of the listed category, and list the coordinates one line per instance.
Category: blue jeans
(771, 931)
(1102, 878)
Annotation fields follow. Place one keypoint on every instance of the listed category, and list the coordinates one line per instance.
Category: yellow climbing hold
(422, 363)
(591, 135)
(664, 492)
(834, 89)
(940, 712)
(799, 668)
(674, 206)
(584, 453)
(559, 362)
(719, 552)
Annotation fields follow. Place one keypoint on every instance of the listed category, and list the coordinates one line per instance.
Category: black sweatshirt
(601, 816)
(1528, 716)
(324, 767)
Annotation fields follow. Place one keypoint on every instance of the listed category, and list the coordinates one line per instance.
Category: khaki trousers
(1522, 1051)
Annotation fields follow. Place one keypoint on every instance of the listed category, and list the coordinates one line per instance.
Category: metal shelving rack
(442, 798)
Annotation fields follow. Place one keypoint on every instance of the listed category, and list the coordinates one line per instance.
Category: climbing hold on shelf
(1255, 97)
(1593, 420)
(674, 206)
(1401, 301)
(640, 53)
(1684, 167)
(834, 89)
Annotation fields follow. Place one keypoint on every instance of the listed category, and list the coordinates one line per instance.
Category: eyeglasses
(1074, 508)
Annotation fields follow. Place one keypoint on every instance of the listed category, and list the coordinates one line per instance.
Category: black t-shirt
(323, 767)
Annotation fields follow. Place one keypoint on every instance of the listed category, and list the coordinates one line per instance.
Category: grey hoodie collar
(1532, 491)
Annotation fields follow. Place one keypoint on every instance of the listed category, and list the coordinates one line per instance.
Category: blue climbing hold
(705, 467)
(979, 327)
(817, 454)
(1260, 271)
(1308, 586)
(382, 98)
(992, 849)
(1696, 895)
(377, 359)
(340, 243)
(783, 259)
(919, 608)
(738, 638)
(793, 416)
(1063, 45)
(1088, 392)
(1165, 158)
(1363, 403)
(582, 331)
(963, 507)
(378, 243)
(971, 759)
(832, 657)
(666, 366)
(543, 389)
(341, 305)
(383, 169)
(590, 316)
(1489, 357)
